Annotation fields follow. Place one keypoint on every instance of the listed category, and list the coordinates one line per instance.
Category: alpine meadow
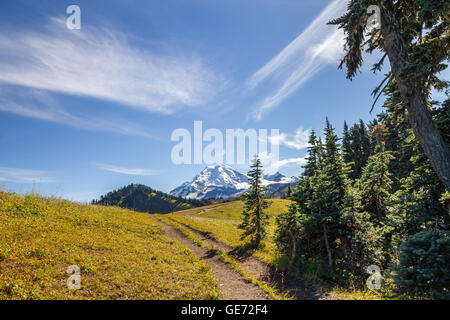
(246, 151)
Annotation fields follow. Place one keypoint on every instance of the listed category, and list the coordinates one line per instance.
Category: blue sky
(86, 111)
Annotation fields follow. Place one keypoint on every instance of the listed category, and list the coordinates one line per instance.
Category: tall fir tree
(303, 192)
(319, 196)
(396, 135)
(421, 191)
(313, 157)
(346, 144)
(334, 169)
(255, 219)
(287, 233)
(375, 183)
(357, 148)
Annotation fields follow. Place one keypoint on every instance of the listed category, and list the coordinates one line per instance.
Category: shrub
(424, 268)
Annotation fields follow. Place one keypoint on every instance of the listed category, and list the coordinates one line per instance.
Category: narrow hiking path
(298, 289)
(208, 209)
(231, 284)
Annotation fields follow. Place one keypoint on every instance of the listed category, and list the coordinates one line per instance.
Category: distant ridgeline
(144, 199)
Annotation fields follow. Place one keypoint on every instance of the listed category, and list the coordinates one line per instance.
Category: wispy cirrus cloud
(298, 162)
(24, 176)
(127, 171)
(272, 165)
(38, 104)
(298, 140)
(101, 63)
(318, 46)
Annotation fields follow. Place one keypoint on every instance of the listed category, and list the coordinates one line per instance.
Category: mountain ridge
(222, 181)
(142, 198)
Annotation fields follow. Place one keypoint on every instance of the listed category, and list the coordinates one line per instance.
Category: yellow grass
(355, 294)
(122, 254)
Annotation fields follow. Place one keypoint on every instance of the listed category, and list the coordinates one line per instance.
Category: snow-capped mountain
(222, 181)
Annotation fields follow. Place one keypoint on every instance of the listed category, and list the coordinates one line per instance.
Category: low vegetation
(122, 254)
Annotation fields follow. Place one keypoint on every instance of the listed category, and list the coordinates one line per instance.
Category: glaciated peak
(223, 181)
(276, 177)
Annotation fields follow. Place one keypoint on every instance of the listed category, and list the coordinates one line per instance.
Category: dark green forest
(141, 198)
(379, 195)
(371, 198)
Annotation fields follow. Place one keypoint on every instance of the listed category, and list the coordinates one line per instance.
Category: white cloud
(24, 176)
(298, 140)
(315, 48)
(128, 171)
(274, 167)
(272, 163)
(101, 63)
(40, 105)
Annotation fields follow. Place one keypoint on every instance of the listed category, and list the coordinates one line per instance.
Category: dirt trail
(231, 284)
(208, 209)
(298, 289)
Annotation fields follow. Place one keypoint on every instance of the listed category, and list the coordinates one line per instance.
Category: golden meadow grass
(122, 254)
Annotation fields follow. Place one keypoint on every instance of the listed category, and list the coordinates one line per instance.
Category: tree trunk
(294, 249)
(258, 222)
(414, 98)
(327, 245)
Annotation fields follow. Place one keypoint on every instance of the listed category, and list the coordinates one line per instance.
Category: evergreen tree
(346, 145)
(313, 157)
(395, 200)
(333, 168)
(375, 184)
(396, 135)
(320, 195)
(356, 147)
(421, 191)
(414, 37)
(255, 219)
(324, 212)
(289, 191)
(360, 242)
(303, 192)
(287, 233)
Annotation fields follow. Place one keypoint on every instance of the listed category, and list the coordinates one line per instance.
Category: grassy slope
(222, 221)
(122, 254)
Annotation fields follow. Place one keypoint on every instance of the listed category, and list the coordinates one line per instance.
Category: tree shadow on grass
(277, 275)
(246, 250)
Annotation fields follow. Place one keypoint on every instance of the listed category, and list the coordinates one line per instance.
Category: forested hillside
(144, 199)
(380, 200)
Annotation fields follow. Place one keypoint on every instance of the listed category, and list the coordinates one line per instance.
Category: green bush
(424, 268)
